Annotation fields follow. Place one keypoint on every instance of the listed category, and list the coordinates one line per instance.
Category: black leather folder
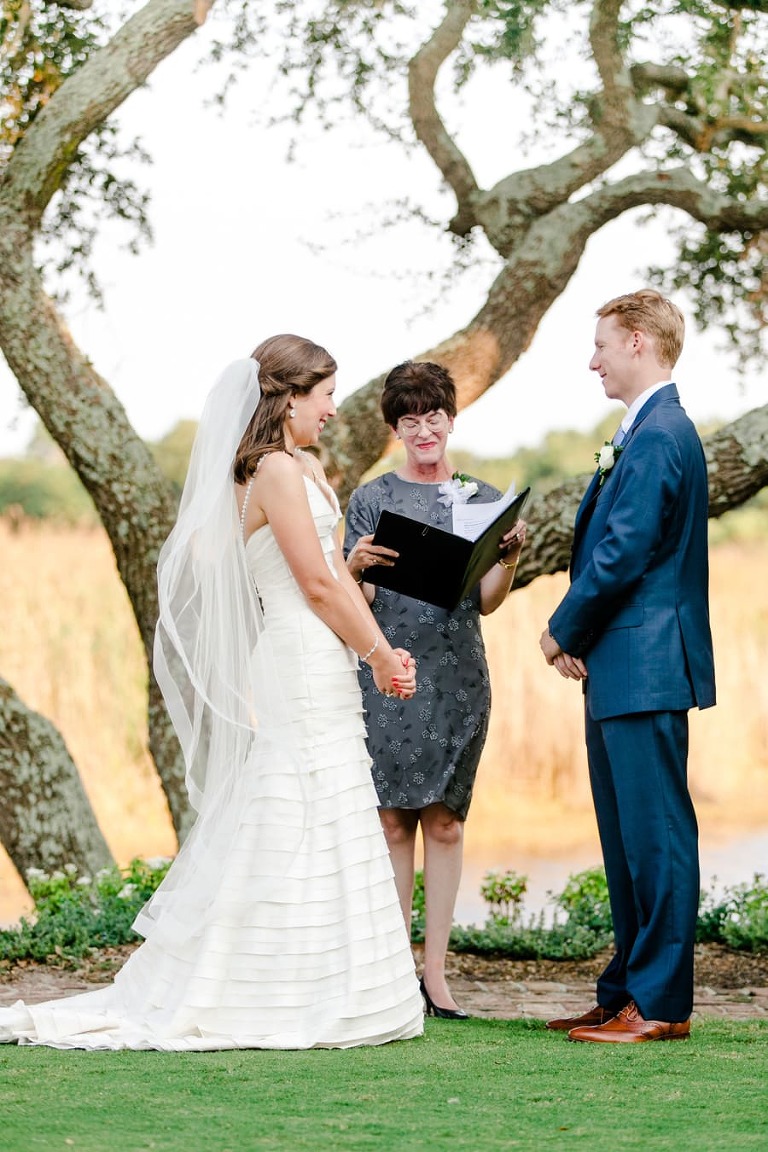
(434, 565)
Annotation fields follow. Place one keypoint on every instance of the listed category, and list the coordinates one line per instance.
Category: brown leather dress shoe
(629, 1027)
(595, 1016)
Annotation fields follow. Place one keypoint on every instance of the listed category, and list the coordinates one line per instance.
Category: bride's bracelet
(371, 650)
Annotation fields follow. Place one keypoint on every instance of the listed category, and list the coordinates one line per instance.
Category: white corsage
(606, 458)
(457, 490)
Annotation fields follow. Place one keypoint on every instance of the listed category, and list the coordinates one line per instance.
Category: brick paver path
(496, 998)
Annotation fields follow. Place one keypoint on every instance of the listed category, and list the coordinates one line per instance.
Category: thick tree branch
(618, 94)
(677, 188)
(620, 122)
(670, 77)
(427, 124)
(85, 100)
(703, 135)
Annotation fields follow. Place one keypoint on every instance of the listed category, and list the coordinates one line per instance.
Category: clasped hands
(394, 673)
(569, 667)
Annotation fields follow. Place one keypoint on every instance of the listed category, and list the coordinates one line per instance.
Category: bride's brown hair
(288, 366)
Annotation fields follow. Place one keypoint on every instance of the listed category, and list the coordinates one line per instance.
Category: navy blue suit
(637, 614)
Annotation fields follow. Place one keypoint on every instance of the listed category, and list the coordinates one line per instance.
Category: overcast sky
(248, 245)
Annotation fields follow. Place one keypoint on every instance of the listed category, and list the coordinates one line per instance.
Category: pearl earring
(291, 412)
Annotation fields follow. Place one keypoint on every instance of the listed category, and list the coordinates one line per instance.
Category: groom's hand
(569, 667)
(549, 646)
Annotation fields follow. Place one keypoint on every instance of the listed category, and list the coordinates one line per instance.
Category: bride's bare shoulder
(278, 464)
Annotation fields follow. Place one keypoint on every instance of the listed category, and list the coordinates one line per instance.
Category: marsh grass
(485, 1085)
(70, 647)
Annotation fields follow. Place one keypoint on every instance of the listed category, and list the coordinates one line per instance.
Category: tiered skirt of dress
(294, 937)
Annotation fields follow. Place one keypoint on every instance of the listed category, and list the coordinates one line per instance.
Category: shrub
(713, 910)
(76, 914)
(586, 903)
(417, 908)
(504, 892)
(588, 927)
(745, 923)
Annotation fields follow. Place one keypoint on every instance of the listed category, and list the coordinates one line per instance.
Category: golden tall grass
(69, 646)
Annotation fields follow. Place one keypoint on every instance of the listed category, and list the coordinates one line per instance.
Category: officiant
(425, 751)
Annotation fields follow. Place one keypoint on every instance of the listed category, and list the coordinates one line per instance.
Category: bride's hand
(406, 680)
(394, 673)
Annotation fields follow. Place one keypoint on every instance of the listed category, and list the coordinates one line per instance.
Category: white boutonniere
(457, 490)
(606, 458)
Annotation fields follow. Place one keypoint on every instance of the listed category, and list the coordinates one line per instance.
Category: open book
(442, 567)
(469, 520)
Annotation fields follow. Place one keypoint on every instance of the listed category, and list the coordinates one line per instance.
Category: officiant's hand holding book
(442, 567)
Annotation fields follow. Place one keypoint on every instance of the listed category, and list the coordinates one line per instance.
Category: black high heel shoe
(432, 1009)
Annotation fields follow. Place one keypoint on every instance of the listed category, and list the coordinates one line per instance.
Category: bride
(278, 925)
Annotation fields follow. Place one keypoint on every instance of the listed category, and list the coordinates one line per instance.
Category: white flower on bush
(155, 862)
(126, 891)
(84, 881)
(36, 874)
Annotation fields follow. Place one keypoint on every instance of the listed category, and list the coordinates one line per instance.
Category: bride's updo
(288, 366)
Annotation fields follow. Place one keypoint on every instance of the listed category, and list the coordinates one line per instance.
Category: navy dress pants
(649, 837)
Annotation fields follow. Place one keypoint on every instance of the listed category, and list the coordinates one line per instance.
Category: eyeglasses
(435, 422)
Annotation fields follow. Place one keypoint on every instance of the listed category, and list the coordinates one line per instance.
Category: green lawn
(478, 1086)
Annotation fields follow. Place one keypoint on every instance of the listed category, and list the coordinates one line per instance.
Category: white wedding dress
(298, 940)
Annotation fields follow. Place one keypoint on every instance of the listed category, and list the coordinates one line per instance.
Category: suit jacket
(637, 610)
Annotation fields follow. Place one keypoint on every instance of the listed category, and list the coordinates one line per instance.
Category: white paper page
(470, 520)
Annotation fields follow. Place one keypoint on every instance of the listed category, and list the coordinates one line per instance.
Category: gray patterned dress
(426, 749)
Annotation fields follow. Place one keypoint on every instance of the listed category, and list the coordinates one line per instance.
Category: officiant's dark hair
(416, 387)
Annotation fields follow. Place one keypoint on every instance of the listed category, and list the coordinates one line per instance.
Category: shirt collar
(638, 403)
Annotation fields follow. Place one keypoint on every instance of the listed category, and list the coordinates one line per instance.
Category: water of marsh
(724, 863)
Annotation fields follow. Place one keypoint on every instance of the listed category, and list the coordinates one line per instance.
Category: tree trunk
(46, 820)
(134, 500)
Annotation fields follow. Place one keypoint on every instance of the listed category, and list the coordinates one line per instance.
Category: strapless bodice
(278, 591)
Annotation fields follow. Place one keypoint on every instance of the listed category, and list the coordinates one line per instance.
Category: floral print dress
(426, 749)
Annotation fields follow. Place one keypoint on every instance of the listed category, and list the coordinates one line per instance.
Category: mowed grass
(478, 1086)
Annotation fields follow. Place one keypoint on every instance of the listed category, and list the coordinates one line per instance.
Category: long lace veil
(209, 624)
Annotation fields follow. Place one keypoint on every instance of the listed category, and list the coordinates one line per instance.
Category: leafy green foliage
(42, 485)
(535, 942)
(44, 490)
(41, 45)
(76, 914)
(504, 892)
(587, 929)
(173, 450)
(585, 901)
(739, 918)
(418, 920)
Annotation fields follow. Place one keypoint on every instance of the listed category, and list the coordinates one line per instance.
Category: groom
(634, 627)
